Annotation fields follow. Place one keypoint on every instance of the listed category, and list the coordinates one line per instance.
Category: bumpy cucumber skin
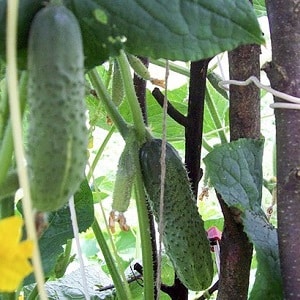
(184, 236)
(57, 132)
(124, 179)
(118, 92)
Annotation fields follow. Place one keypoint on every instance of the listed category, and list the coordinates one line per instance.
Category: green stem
(110, 107)
(131, 97)
(113, 270)
(99, 153)
(145, 236)
(206, 146)
(215, 117)
(173, 66)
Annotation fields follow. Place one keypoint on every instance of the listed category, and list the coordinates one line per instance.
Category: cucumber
(117, 86)
(57, 132)
(184, 236)
(138, 67)
(124, 179)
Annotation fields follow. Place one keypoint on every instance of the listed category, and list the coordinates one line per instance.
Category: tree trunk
(284, 75)
(244, 115)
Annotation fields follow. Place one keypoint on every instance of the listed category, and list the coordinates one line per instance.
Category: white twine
(162, 182)
(78, 247)
(294, 101)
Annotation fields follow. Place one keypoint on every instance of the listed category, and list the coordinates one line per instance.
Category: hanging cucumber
(124, 179)
(57, 133)
(117, 89)
(125, 176)
(184, 236)
(138, 67)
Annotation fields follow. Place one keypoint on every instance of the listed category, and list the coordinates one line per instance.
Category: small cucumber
(138, 67)
(117, 86)
(125, 177)
(184, 236)
(57, 132)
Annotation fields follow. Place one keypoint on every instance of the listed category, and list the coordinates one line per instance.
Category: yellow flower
(14, 255)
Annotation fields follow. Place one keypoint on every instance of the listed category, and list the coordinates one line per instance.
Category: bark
(284, 75)
(244, 115)
(194, 125)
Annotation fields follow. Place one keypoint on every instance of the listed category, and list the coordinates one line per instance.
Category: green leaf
(177, 97)
(263, 235)
(125, 244)
(235, 170)
(101, 38)
(260, 7)
(60, 228)
(183, 29)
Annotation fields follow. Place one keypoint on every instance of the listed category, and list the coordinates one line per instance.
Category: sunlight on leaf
(14, 254)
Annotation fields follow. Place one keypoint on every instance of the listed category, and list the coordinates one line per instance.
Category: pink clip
(214, 234)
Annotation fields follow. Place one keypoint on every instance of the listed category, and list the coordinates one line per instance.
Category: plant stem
(206, 145)
(173, 66)
(99, 153)
(131, 97)
(110, 107)
(143, 218)
(215, 117)
(114, 273)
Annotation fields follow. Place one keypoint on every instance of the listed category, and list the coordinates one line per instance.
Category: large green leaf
(177, 30)
(60, 228)
(183, 29)
(235, 170)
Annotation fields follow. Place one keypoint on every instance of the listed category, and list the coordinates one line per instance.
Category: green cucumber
(138, 67)
(125, 177)
(184, 236)
(117, 86)
(57, 132)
